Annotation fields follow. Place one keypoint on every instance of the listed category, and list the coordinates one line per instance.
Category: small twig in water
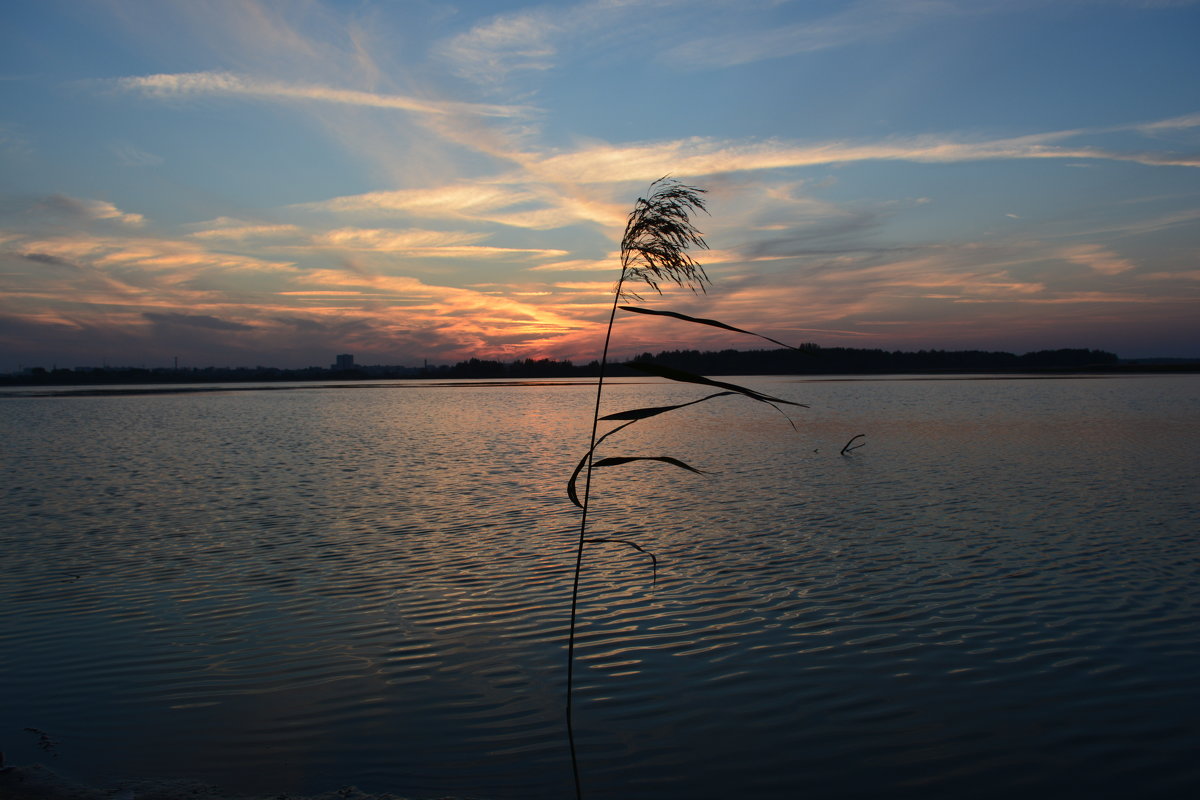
(847, 448)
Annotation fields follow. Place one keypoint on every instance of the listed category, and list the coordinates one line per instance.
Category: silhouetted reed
(658, 234)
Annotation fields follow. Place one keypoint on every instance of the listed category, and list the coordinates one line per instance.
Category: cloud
(704, 35)
(411, 241)
(92, 210)
(416, 242)
(196, 321)
(694, 34)
(698, 156)
(530, 40)
(394, 241)
(509, 43)
(456, 200)
(231, 85)
(238, 231)
(1137, 227)
(514, 203)
(1098, 258)
(123, 289)
(182, 257)
(1191, 275)
(1172, 124)
(579, 265)
(48, 259)
(461, 321)
(13, 144)
(131, 156)
(851, 24)
(144, 254)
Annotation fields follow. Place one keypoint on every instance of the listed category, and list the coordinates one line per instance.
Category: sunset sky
(244, 183)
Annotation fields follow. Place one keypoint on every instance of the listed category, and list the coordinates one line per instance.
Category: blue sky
(242, 183)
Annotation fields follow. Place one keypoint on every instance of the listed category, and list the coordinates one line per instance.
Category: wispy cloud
(205, 321)
(696, 156)
(705, 35)
(387, 240)
(552, 190)
(533, 40)
(83, 208)
(460, 200)
(229, 84)
(427, 243)
(226, 228)
(580, 265)
(1097, 257)
(490, 51)
(513, 202)
(1172, 124)
(13, 144)
(856, 22)
(143, 253)
(130, 156)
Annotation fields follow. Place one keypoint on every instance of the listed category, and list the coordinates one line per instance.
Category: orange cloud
(1098, 258)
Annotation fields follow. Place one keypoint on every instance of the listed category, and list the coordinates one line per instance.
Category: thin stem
(656, 235)
(587, 489)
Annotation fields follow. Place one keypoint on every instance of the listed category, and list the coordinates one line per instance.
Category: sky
(242, 183)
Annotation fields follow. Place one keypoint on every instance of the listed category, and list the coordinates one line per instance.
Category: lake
(289, 591)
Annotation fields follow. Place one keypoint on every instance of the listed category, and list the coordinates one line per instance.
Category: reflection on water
(294, 591)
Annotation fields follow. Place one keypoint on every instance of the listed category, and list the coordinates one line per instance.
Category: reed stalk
(654, 248)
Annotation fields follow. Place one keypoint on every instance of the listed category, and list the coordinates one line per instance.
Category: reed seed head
(657, 237)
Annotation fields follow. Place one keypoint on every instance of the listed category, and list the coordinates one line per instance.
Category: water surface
(291, 591)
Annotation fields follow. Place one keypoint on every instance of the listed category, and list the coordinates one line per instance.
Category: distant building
(344, 361)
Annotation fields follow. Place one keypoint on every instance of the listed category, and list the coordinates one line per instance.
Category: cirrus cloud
(167, 85)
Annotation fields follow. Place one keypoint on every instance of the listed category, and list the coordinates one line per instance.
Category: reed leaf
(613, 461)
(653, 411)
(632, 416)
(583, 462)
(573, 493)
(683, 376)
(711, 322)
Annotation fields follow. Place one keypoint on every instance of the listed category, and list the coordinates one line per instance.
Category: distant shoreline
(809, 360)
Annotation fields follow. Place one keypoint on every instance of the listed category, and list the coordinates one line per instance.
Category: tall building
(344, 361)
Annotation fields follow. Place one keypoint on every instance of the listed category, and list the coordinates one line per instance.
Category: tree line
(808, 360)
